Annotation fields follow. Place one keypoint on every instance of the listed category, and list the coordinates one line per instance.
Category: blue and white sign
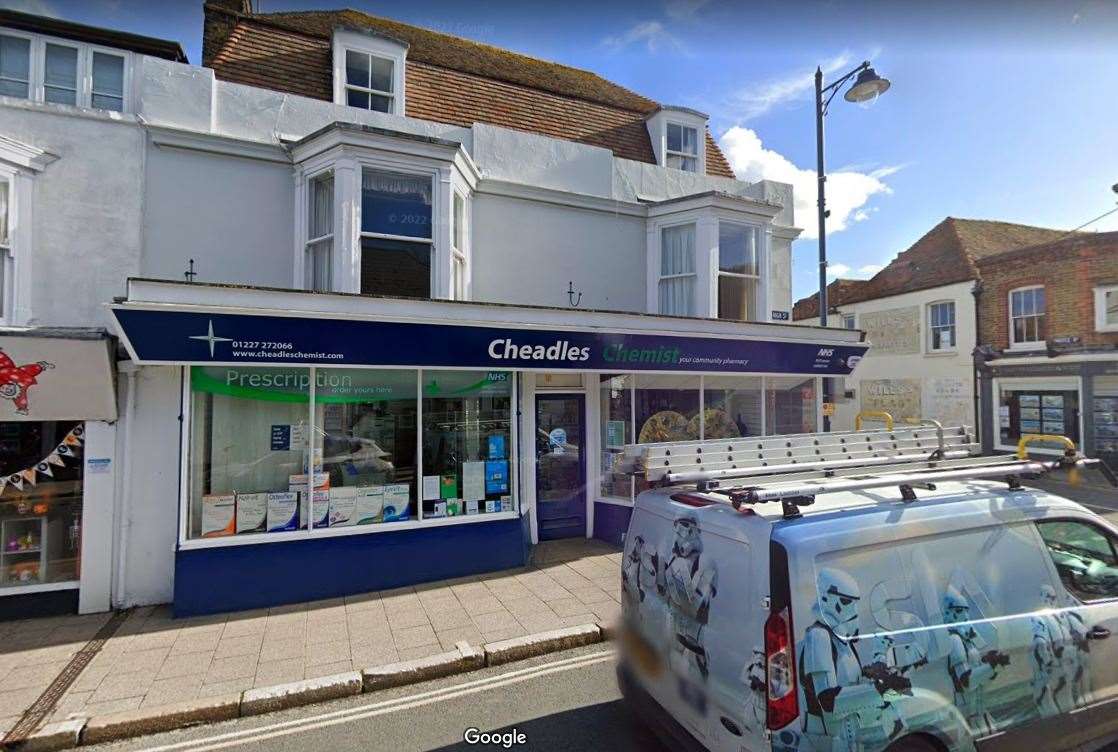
(168, 336)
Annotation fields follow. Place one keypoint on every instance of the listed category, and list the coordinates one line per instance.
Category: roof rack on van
(796, 468)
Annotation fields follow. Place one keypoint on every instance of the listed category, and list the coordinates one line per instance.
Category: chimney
(220, 18)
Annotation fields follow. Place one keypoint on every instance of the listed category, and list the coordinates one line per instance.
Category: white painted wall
(149, 488)
(232, 215)
(924, 366)
(527, 251)
(86, 210)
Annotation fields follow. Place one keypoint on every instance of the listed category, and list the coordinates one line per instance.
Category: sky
(997, 110)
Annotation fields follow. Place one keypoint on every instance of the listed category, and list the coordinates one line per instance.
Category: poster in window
(1030, 426)
(1053, 400)
(1106, 405)
(1030, 413)
(1029, 400)
(496, 477)
(473, 481)
(497, 447)
(1053, 414)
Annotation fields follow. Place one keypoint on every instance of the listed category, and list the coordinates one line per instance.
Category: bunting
(69, 447)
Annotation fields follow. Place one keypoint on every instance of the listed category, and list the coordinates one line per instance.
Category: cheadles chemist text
(506, 349)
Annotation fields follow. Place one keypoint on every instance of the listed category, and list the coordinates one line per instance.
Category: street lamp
(866, 86)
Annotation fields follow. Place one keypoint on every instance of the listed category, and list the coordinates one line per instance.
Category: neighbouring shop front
(57, 406)
(381, 442)
(1073, 396)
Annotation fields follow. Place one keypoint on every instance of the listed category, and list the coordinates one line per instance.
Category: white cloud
(754, 101)
(848, 190)
(837, 270)
(36, 7)
(651, 34)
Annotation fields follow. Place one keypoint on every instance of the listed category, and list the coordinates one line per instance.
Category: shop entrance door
(560, 466)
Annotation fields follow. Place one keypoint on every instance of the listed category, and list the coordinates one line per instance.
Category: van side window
(1084, 556)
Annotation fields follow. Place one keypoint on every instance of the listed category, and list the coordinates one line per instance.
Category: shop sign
(56, 378)
(162, 336)
(828, 409)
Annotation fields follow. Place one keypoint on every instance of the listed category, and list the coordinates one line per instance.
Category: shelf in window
(37, 549)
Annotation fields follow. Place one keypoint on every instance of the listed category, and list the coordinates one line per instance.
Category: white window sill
(38, 587)
(1027, 346)
(940, 353)
(340, 532)
(614, 500)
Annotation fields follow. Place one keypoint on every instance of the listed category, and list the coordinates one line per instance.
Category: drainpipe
(977, 357)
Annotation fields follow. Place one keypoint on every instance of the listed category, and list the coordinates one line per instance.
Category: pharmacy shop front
(337, 444)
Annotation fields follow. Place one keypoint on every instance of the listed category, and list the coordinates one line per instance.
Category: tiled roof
(947, 254)
(448, 79)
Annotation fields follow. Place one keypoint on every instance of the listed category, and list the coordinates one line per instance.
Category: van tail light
(780, 673)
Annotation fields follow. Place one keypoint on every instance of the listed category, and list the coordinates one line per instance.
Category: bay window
(396, 234)
(1026, 317)
(319, 248)
(6, 264)
(739, 275)
(282, 453)
(676, 289)
(683, 147)
(458, 248)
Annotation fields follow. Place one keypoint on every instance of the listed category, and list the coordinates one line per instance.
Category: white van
(915, 601)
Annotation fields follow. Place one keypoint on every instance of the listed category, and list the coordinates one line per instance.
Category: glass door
(560, 466)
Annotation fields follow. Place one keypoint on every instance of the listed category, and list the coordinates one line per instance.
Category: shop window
(249, 451)
(1106, 308)
(1084, 556)
(1030, 411)
(941, 326)
(731, 407)
(739, 275)
(318, 260)
(683, 147)
(1026, 317)
(369, 81)
(1105, 414)
(790, 405)
(15, 66)
(60, 75)
(467, 443)
(40, 502)
(365, 433)
(676, 288)
(396, 239)
(616, 400)
(665, 408)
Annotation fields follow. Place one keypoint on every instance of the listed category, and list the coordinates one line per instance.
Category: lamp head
(867, 86)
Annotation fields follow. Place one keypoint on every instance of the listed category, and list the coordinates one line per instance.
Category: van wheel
(912, 744)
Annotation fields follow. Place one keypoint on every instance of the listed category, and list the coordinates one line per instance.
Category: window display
(1031, 411)
(249, 450)
(1106, 418)
(40, 502)
(731, 407)
(616, 395)
(365, 435)
(790, 405)
(467, 443)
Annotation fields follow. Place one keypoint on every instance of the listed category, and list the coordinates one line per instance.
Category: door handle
(1098, 633)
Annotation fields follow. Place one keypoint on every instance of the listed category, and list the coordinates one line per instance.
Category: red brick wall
(1069, 271)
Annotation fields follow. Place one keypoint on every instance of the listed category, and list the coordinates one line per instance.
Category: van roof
(976, 493)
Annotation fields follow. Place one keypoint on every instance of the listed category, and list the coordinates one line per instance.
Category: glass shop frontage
(407, 441)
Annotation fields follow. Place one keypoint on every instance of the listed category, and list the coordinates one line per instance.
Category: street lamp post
(867, 86)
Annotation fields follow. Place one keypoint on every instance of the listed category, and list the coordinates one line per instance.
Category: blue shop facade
(334, 444)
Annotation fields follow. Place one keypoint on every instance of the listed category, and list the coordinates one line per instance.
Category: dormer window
(683, 147)
(61, 71)
(369, 71)
(368, 81)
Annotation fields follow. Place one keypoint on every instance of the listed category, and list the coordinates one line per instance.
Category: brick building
(1048, 335)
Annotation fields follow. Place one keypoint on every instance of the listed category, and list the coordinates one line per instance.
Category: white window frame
(84, 95)
(693, 275)
(929, 347)
(437, 206)
(308, 267)
(759, 259)
(1100, 308)
(374, 46)
(682, 155)
(1030, 344)
(852, 318)
(7, 255)
(459, 255)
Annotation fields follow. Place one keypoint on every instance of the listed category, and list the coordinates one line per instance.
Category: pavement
(564, 701)
(154, 659)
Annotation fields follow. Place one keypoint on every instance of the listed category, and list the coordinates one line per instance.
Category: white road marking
(334, 718)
